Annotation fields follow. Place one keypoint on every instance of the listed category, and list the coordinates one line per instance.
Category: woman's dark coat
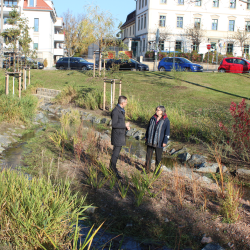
(163, 131)
(118, 127)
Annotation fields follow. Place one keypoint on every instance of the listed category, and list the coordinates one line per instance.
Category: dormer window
(31, 3)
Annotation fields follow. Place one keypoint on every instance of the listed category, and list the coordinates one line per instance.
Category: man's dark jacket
(118, 127)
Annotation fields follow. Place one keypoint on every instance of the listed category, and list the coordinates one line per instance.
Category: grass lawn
(190, 91)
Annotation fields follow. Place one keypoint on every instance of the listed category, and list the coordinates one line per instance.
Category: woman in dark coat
(157, 135)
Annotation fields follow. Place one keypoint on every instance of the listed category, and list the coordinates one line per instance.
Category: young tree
(103, 28)
(240, 36)
(195, 34)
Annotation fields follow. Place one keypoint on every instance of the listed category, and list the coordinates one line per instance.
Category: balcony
(7, 8)
(59, 37)
(58, 52)
(59, 23)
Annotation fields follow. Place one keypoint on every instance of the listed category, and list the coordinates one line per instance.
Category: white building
(220, 19)
(46, 28)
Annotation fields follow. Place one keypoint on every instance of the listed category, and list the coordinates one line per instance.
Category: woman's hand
(164, 145)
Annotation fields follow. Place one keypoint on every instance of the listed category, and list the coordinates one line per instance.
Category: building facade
(217, 20)
(46, 29)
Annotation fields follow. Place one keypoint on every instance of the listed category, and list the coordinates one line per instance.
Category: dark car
(181, 64)
(74, 63)
(234, 65)
(29, 62)
(126, 64)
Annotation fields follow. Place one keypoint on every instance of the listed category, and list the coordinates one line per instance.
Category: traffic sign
(209, 46)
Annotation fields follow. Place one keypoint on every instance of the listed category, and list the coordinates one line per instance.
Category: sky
(119, 9)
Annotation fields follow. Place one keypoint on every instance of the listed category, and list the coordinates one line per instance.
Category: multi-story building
(46, 28)
(218, 20)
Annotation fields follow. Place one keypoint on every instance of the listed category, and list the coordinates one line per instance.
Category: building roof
(130, 19)
(40, 5)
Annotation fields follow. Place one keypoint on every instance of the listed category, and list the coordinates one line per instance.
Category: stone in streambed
(184, 157)
(212, 246)
(196, 160)
(210, 168)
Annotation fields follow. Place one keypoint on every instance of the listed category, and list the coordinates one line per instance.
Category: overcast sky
(119, 9)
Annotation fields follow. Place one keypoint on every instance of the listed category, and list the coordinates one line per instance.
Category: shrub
(34, 212)
(45, 62)
(68, 95)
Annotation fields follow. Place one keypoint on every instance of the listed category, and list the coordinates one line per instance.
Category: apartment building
(46, 27)
(219, 19)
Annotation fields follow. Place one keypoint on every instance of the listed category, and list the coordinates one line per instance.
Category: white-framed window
(248, 5)
(214, 24)
(231, 25)
(36, 24)
(162, 21)
(216, 3)
(161, 45)
(178, 45)
(197, 23)
(139, 23)
(163, 1)
(179, 22)
(145, 21)
(198, 3)
(233, 4)
(247, 26)
(181, 2)
(35, 45)
(246, 49)
(31, 3)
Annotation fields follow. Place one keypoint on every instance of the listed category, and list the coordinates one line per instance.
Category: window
(5, 19)
(214, 24)
(197, 23)
(198, 3)
(146, 2)
(161, 46)
(248, 5)
(32, 3)
(143, 48)
(246, 49)
(138, 23)
(231, 25)
(215, 3)
(10, 2)
(141, 22)
(35, 46)
(247, 26)
(181, 2)
(233, 4)
(213, 45)
(133, 29)
(230, 48)
(179, 22)
(130, 31)
(139, 4)
(36, 24)
(163, 1)
(178, 45)
(145, 23)
(142, 5)
(162, 22)
(195, 47)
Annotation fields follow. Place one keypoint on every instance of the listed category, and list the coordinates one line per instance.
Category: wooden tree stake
(120, 88)
(104, 95)
(7, 84)
(29, 76)
(94, 66)
(114, 92)
(20, 86)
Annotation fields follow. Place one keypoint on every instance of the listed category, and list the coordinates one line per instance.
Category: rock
(196, 160)
(96, 120)
(104, 120)
(1, 149)
(130, 132)
(110, 123)
(129, 225)
(165, 169)
(166, 220)
(89, 117)
(5, 140)
(40, 117)
(172, 151)
(51, 110)
(209, 168)
(22, 126)
(105, 137)
(183, 150)
(90, 210)
(206, 240)
(108, 132)
(184, 157)
(138, 135)
(212, 246)
(165, 148)
(243, 173)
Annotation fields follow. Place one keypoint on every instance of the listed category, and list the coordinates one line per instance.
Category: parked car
(234, 65)
(74, 63)
(182, 64)
(130, 64)
(29, 62)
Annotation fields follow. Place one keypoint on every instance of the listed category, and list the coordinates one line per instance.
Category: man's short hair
(122, 99)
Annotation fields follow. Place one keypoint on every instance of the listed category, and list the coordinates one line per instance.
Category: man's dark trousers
(115, 155)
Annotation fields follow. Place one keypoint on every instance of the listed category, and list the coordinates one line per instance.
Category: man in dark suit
(119, 128)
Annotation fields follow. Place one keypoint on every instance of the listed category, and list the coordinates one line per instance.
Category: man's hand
(164, 145)
(127, 125)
